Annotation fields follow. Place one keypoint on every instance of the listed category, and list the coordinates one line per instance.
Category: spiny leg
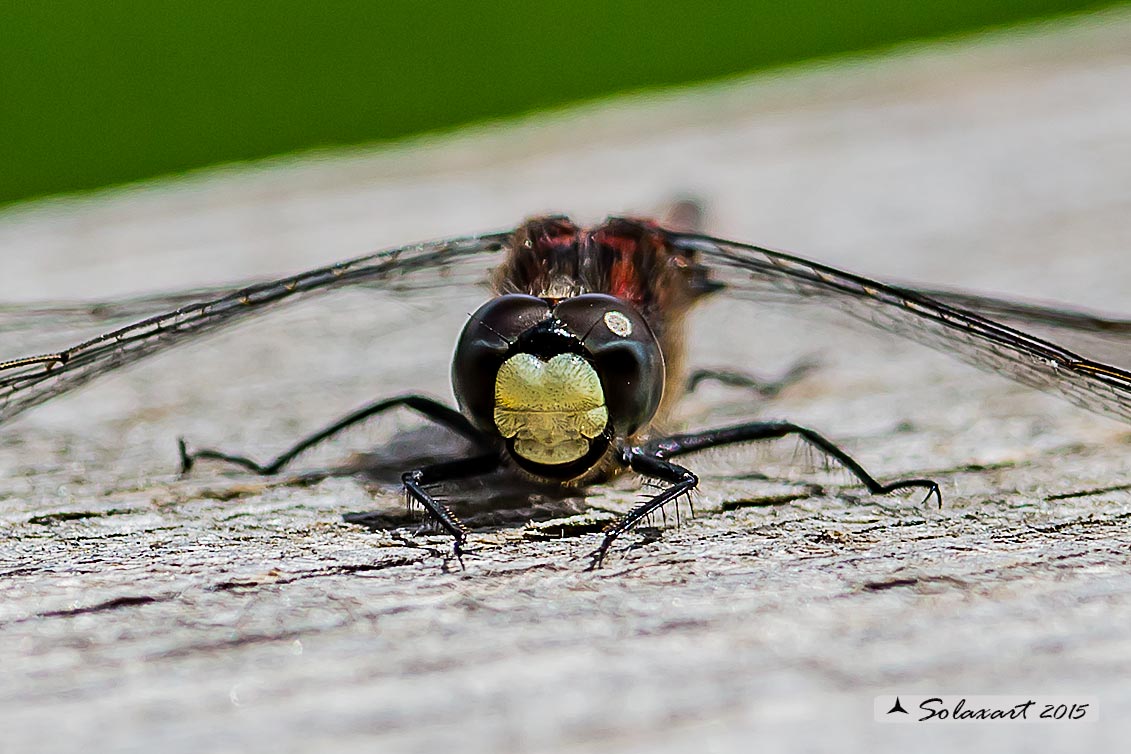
(427, 407)
(650, 460)
(465, 468)
(680, 481)
(766, 388)
(677, 445)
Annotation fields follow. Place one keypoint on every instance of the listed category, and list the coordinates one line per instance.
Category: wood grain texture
(141, 611)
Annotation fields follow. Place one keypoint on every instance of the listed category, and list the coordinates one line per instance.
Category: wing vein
(758, 272)
(30, 380)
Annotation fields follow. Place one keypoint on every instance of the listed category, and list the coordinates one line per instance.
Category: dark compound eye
(539, 374)
(625, 353)
(486, 341)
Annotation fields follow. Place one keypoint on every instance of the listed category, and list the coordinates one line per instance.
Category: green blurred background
(94, 93)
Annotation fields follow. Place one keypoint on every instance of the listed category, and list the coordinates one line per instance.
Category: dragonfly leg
(680, 481)
(427, 407)
(650, 460)
(415, 481)
(765, 388)
(676, 445)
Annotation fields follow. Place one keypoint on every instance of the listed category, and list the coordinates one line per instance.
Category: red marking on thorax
(624, 272)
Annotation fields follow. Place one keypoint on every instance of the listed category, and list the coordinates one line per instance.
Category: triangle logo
(897, 707)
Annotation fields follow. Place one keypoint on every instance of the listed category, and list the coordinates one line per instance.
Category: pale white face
(551, 409)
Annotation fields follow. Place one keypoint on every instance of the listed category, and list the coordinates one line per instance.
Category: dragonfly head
(558, 380)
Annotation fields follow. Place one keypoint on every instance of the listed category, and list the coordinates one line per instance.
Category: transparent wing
(40, 315)
(948, 322)
(1102, 337)
(28, 381)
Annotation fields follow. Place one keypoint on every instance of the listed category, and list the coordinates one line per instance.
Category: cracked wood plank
(219, 612)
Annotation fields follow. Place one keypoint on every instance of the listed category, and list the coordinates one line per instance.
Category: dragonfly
(564, 376)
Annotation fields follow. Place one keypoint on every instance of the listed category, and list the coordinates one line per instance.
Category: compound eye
(504, 318)
(483, 346)
(625, 354)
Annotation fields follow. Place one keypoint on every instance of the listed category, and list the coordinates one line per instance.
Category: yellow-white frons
(551, 408)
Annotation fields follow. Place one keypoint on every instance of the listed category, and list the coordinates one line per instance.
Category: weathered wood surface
(140, 611)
